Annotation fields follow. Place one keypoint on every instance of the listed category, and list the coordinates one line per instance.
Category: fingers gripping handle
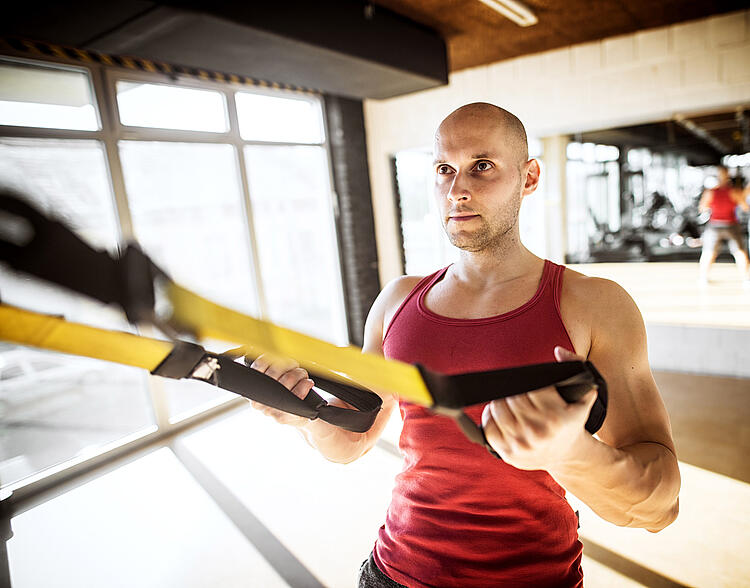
(189, 360)
(576, 387)
(571, 388)
(259, 387)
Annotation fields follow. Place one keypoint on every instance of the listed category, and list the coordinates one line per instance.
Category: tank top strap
(423, 284)
(557, 272)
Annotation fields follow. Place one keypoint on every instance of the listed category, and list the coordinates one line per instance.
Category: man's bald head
(487, 115)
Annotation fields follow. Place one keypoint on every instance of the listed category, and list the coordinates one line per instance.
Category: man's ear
(531, 175)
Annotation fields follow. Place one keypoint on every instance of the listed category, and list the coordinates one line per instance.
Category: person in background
(723, 225)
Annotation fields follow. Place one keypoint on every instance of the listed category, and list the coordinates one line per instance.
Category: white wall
(699, 350)
(647, 76)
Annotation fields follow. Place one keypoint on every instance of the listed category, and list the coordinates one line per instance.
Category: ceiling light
(513, 10)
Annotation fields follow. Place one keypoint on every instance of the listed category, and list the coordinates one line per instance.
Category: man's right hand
(334, 443)
(292, 377)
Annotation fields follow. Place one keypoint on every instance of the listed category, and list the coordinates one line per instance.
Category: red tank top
(459, 516)
(723, 208)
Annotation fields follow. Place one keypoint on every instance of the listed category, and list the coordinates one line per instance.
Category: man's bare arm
(334, 443)
(629, 476)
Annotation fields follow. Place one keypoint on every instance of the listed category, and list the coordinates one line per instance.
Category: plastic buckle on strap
(207, 370)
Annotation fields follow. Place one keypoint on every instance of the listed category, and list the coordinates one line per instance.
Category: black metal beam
(351, 27)
(343, 47)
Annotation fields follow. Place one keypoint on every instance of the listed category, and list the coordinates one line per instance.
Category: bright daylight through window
(219, 207)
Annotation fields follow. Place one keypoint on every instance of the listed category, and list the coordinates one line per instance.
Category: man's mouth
(463, 217)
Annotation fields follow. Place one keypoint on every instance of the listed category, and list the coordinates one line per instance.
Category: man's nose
(458, 189)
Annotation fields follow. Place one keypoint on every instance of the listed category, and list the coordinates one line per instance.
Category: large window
(226, 188)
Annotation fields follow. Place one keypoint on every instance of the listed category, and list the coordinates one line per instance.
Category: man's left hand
(538, 430)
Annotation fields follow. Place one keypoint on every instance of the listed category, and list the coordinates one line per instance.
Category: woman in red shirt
(723, 225)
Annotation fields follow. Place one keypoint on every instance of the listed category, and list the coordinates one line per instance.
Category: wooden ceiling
(477, 35)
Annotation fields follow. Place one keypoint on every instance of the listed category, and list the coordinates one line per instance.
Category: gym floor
(241, 501)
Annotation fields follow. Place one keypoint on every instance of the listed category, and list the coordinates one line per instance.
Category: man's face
(478, 185)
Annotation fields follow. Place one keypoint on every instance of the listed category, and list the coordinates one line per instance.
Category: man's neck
(495, 266)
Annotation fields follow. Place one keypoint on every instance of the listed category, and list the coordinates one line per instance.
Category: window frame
(103, 82)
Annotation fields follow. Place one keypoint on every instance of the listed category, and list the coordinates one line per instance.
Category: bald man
(459, 516)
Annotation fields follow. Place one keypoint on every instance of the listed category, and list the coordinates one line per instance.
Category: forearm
(342, 446)
(334, 443)
(634, 486)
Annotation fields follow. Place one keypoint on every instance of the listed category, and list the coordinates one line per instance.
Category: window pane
(271, 118)
(186, 205)
(426, 247)
(68, 178)
(57, 407)
(169, 107)
(48, 97)
(293, 215)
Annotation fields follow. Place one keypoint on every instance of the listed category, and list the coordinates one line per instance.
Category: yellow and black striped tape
(44, 49)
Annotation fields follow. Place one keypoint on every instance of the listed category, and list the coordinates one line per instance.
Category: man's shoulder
(393, 295)
(402, 282)
(592, 294)
(579, 280)
(398, 289)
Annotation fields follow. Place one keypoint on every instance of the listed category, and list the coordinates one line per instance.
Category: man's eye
(443, 169)
(483, 166)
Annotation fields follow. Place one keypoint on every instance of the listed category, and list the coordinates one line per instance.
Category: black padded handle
(572, 379)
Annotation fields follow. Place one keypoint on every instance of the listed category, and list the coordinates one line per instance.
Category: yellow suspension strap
(41, 246)
(33, 243)
(56, 334)
(47, 249)
(181, 359)
(349, 364)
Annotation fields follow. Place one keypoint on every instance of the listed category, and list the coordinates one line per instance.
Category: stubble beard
(491, 235)
(479, 239)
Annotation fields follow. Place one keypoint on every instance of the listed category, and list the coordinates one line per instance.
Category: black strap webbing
(571, 378)
(230, 375)
(181, 361)
(127, 281)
